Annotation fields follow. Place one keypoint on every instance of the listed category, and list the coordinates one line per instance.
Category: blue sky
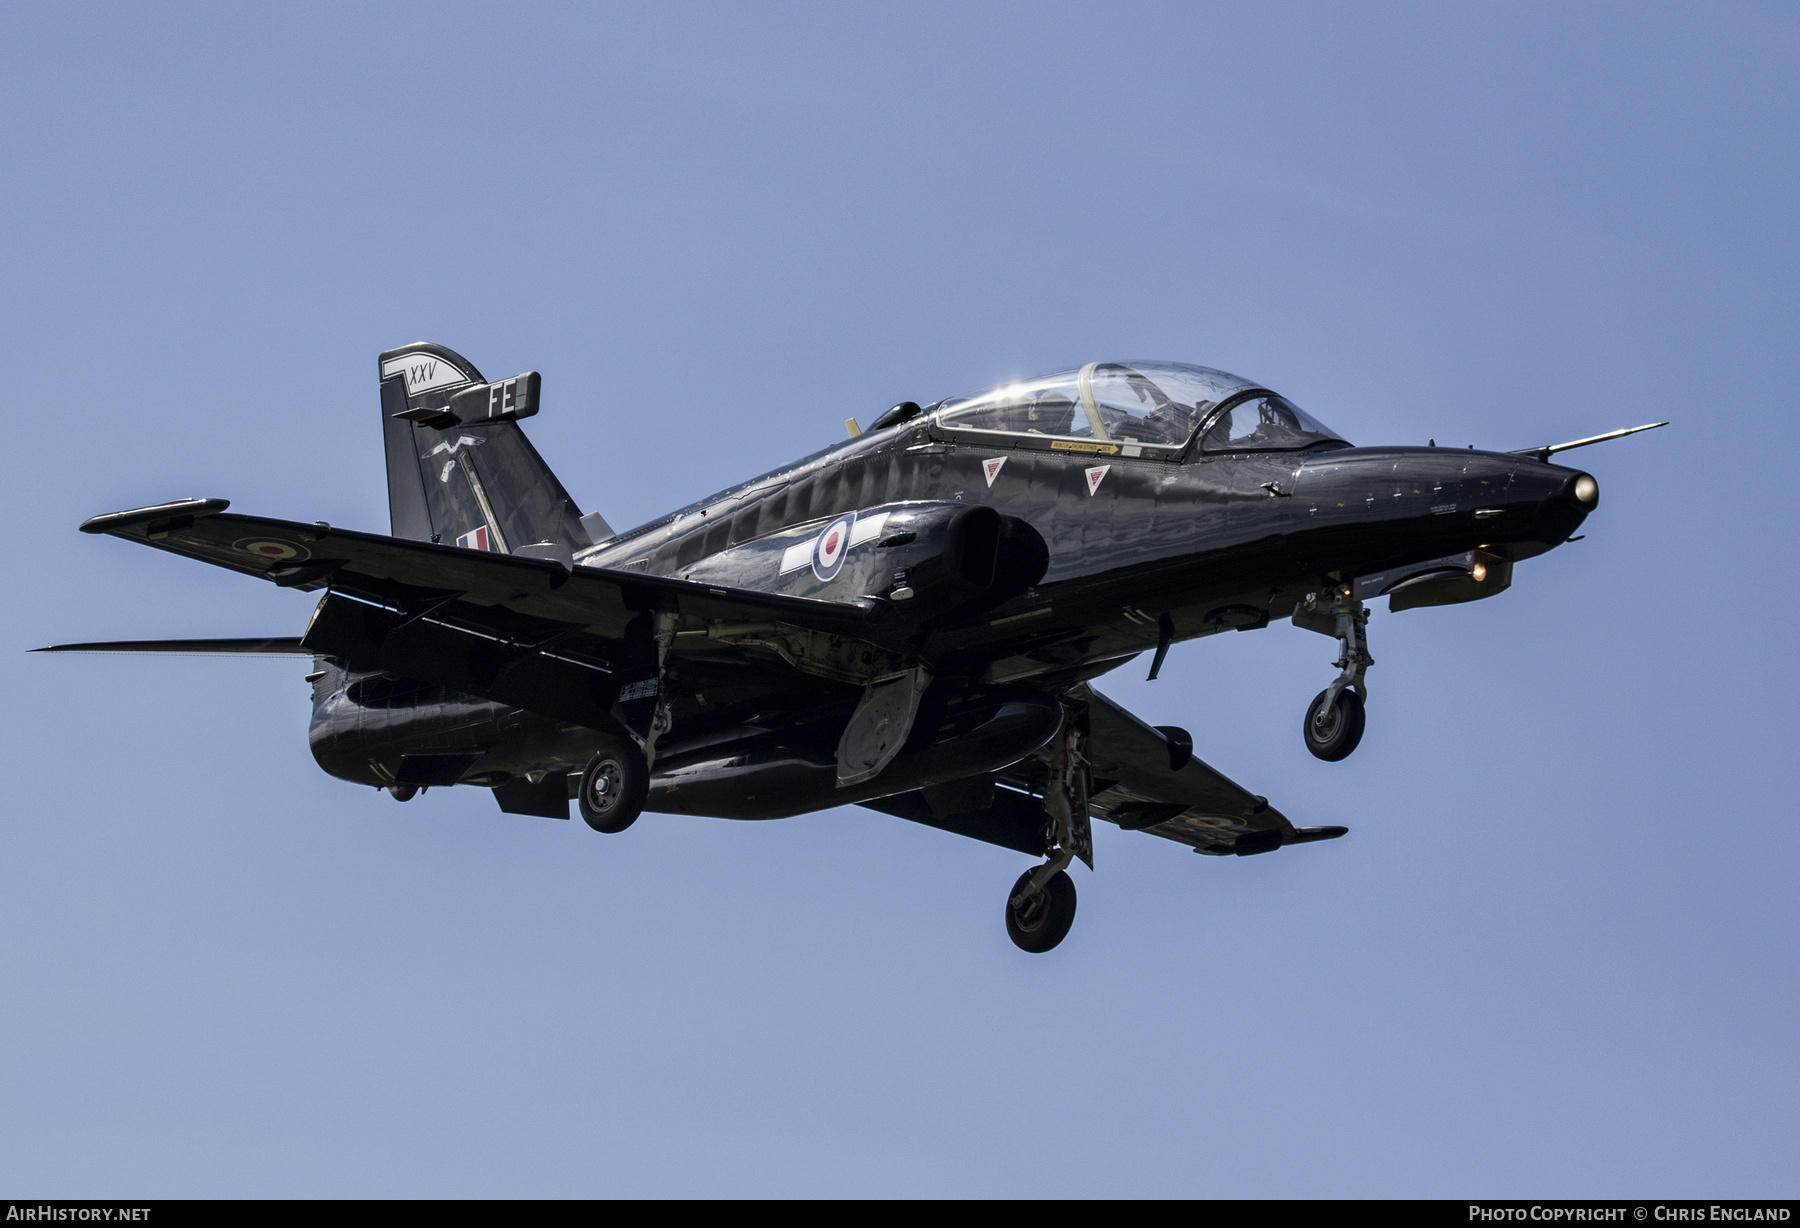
(1556, 954)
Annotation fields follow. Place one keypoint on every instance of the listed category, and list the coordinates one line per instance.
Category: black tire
(1334, 737)
(613, 788)
(1045, 921)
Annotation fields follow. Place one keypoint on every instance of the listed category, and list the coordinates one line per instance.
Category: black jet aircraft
(909, 620)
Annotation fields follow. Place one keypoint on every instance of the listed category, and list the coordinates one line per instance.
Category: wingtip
(1306, 835)
(178, 510)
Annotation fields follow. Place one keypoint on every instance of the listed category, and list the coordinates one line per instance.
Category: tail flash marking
(423, 373)
(463, 441)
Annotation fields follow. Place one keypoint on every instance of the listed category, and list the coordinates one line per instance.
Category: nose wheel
(613, 787)
(1334, 720)
(1334, 724)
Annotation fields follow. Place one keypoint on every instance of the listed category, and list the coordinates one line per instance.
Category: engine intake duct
(932, 560)
(954, 558)
(941, 556)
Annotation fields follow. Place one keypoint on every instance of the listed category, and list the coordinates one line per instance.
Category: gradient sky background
(1555, 956)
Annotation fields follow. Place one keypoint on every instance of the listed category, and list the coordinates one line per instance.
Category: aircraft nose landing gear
(1334, 720)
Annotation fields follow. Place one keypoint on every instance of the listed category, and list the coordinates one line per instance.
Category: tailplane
(460, 470)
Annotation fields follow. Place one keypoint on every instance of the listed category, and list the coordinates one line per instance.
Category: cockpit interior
(1142, 408)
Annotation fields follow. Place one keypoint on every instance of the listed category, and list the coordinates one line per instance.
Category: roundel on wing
(831, 547)
(274, 551)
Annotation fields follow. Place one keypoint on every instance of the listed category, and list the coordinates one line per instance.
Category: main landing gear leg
(661, 722)
(1041, 907)
(616, 782)
(1334, 721)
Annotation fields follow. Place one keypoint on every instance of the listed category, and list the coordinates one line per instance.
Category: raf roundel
(831, 547)
(274, 551)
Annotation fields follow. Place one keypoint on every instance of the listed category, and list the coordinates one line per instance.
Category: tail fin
(460, 471)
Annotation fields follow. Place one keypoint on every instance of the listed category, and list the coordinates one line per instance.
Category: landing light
(1479, 572)
(1587, 491)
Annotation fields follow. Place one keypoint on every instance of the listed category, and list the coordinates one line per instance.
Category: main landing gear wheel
(613, 788)
(1333, 732)
(1043, 920)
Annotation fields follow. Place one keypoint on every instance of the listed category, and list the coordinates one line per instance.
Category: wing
(1153, 783)
(524, 631)
(375, 567)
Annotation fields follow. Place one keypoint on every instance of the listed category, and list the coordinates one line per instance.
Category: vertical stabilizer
(460, 470)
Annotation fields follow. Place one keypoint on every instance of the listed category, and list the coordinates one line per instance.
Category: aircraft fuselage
(1215, 543)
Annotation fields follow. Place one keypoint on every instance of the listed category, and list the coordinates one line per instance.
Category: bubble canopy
(1139, 408)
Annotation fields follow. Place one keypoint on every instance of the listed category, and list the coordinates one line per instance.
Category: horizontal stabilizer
(278, 646)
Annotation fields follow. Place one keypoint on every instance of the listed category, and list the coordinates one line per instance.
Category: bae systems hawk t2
(909, 620)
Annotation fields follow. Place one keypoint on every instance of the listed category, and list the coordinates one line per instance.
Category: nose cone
(1442, 498)
(1545, 503)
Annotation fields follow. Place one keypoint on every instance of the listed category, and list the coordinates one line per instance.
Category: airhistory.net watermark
(47, 1213)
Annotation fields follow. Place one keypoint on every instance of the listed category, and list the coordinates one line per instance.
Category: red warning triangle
(991, 468)
(1094, 475)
